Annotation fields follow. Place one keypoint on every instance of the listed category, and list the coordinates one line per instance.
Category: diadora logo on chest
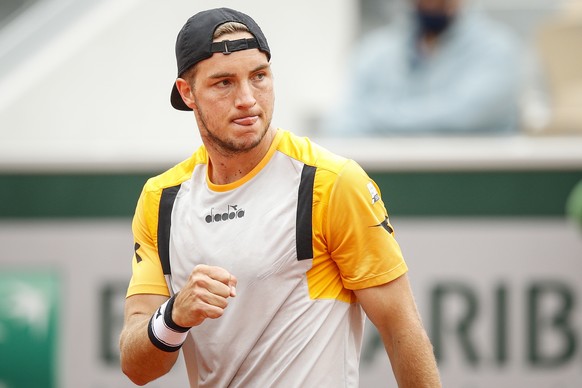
(232, 212)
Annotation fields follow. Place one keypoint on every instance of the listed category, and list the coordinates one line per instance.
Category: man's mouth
(247, 120)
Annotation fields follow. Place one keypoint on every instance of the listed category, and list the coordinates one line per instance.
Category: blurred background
(490, 221)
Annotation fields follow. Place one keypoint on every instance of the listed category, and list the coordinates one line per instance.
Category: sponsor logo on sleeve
(384, 224)
(373, 192)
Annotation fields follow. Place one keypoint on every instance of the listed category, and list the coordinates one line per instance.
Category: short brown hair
(229, 28)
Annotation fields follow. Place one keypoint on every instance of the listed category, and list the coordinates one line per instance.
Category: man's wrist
(163, 332)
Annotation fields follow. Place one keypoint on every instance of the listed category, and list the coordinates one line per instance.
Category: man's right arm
(203, 296)
(141, 361)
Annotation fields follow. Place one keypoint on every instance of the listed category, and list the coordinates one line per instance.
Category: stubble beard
(227, 146)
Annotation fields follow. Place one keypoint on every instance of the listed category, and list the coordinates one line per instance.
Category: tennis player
(260, 256)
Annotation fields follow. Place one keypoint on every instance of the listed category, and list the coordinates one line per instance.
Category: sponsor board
(500, 298)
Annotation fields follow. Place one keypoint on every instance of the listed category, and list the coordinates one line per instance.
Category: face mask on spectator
(433, 22)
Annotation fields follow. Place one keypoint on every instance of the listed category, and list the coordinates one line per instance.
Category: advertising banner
(29, 328)
(499, 297)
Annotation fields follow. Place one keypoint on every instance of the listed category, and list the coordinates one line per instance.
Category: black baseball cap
(195, 42)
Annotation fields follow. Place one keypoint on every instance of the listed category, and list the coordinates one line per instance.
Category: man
(440, 68)
(256, 255)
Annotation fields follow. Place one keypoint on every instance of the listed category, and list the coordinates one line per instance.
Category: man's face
(234, 98)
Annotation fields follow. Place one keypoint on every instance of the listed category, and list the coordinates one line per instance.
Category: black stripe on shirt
(164, 223)
(304, 223)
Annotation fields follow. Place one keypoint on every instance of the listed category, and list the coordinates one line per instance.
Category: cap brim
(176, 100)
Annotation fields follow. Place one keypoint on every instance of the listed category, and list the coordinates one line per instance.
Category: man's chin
(243, 143)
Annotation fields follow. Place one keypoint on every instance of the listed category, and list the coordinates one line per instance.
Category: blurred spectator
(442, 67)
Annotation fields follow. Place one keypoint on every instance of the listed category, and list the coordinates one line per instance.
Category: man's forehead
(237, 62)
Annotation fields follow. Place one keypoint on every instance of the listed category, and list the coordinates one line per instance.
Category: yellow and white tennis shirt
(300, 232)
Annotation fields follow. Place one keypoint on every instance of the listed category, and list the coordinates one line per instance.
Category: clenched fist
(204, 295)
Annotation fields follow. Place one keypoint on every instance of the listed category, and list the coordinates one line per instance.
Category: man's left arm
(392, 309)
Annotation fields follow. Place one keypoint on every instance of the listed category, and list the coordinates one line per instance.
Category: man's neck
(225, 168)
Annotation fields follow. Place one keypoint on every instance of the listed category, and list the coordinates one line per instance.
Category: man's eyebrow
(261, 67)
(221, 75)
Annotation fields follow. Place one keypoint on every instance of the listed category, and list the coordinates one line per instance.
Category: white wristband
(164, 333)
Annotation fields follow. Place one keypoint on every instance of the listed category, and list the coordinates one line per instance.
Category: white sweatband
(163, 332)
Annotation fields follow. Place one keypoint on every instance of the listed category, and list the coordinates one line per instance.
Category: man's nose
(245, 95)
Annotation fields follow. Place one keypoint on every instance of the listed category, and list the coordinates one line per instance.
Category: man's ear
(186, 92)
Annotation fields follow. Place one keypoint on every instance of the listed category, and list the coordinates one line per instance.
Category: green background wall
(419, 193)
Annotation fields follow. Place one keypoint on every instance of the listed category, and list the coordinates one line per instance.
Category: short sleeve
(147, 274)
(360, 237)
